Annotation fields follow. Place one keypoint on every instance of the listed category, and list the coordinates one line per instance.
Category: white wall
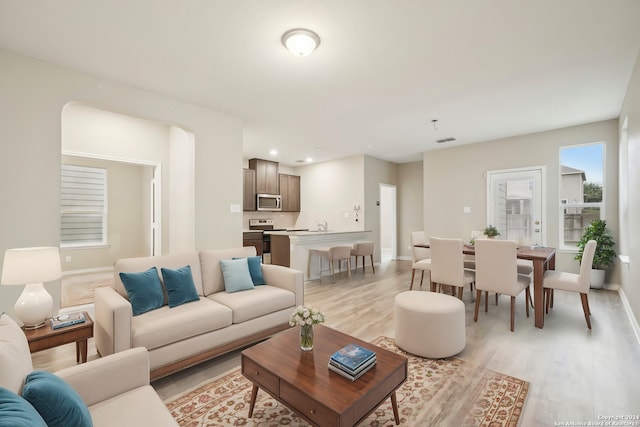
(376, 172)
(34, 94)
(455, 177)
(410, 206)
(181, 183)
(629, 194)
(107, 135)
(128, 221)
(329, 190)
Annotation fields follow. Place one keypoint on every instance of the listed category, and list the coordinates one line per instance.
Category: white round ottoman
(429, 324)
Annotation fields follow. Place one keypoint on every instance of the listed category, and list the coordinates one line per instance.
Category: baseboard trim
(627, 307)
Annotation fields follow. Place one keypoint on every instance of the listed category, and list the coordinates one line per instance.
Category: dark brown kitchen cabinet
(266, 176)
(253, 238)
(249, 194)
(290, 192)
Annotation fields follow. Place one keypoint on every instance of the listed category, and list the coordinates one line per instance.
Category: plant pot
(597, 279)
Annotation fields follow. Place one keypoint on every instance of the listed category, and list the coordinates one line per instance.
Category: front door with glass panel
(515, 204)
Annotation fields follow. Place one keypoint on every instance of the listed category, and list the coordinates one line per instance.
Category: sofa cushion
(255, 270)
(144, 290)
(167, 261)
(169, 325)
(55, 400)
(179, 285)
(17, 412)
(255, 303)
(212, 280)
(236, 275)
(15, 357)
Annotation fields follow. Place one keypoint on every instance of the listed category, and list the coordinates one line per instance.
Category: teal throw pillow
(17, 412)
(55, 400)
(236, 275)
(255, 270)
(180, 286)
(144, 290)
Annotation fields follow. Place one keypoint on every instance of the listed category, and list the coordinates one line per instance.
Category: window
(83, 206)
(581, 190)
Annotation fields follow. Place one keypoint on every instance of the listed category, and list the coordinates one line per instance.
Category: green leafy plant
(605, 254)
(491, 231)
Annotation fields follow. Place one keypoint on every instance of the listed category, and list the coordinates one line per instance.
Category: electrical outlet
(67, 258)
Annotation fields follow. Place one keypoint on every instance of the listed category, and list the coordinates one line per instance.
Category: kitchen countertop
(314, 232)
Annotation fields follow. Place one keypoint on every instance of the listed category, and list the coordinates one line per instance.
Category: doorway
(515, 204)
(388, 248)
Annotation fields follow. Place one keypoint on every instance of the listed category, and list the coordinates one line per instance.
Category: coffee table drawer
(259, 375)
(307, 407)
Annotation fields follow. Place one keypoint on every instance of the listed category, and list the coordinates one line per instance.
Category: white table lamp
(32, 267)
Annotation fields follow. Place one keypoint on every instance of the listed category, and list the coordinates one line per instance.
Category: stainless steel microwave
(269, 202)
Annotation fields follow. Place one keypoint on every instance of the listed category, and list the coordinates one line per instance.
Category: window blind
(83, 206)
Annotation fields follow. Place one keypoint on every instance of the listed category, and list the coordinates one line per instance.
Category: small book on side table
(65, 320)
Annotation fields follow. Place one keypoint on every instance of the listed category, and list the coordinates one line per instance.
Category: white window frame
(564, 204)
(84, 207)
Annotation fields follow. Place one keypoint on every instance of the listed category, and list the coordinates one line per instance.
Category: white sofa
(115, 388)
(196, 331)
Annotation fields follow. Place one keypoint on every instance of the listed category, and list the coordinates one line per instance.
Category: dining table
(543, 259)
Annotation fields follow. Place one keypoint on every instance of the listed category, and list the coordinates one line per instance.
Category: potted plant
(490, 231)
(604, 256)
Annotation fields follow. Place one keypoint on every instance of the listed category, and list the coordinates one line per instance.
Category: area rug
(438, 392)
(80, 289)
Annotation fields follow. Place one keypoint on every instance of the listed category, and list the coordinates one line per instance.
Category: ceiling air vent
(440, 141)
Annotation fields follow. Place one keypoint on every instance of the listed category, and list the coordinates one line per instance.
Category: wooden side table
(44, 338)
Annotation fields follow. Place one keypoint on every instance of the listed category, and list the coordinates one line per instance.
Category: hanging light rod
(300, 41)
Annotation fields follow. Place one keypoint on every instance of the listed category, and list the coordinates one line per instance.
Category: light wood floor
(574, 374)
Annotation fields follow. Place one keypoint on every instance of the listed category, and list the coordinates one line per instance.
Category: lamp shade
(24, 266)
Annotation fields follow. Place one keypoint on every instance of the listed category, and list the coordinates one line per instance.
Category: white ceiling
(384, 69)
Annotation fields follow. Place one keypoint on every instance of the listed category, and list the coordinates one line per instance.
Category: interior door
(515, 204)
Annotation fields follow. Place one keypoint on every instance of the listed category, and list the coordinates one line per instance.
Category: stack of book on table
(65, 320)
(352, 361)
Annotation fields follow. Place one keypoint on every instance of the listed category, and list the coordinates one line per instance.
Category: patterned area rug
(443, 392)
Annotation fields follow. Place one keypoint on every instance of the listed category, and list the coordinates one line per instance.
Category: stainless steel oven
(265, 225)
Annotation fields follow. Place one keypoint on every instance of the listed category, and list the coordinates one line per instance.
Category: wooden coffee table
(302, 381)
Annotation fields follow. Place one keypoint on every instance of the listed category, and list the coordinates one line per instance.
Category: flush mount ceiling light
(300, 41)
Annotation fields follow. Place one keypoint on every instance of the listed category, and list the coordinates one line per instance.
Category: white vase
(597, 279)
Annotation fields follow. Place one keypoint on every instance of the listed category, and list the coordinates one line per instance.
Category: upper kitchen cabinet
(249, 194)
(267, 181)
(290, 192)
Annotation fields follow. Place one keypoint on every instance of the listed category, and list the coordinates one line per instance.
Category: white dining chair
(580, 283)
(421, 256)
(447, 265)
(497, 271)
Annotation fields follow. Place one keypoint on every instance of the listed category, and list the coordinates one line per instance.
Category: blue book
(352, 357)
(65, 320)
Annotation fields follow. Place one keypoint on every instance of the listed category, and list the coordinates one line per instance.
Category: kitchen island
(295, 248)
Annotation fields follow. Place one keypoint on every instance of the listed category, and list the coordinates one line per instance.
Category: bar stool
(333, 254)
(363, 249)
